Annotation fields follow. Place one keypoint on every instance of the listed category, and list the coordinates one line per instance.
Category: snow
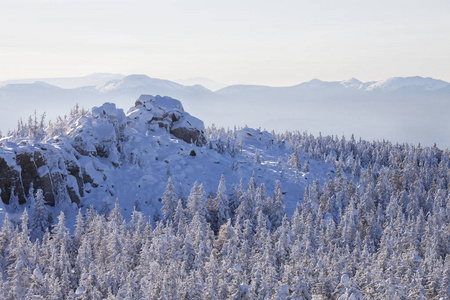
(2, 211)
(418, 106)
(149, 155)
(255, 136)
(396, 83)
(7, 153)
(80, 290)
(351, 83)
(159, 155)
(126, 157)
(345, 280)
(42, 171)
(108, 110)
(162, 103)
(38, 274)
(189, 121)
(136, 81)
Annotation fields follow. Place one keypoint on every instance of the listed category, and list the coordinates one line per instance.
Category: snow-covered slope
(93, 159)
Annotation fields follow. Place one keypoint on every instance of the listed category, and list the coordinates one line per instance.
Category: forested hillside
(293, 217)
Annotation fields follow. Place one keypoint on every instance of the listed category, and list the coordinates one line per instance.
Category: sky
(276, 43)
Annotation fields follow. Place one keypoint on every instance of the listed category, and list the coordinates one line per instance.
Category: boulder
(189, 129)
(155, 112)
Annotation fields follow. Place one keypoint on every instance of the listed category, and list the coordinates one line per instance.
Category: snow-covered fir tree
(375, 227)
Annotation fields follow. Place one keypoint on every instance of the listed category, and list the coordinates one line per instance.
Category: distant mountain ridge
(403, 109)
(207, 83)
(136, 81)
(69, 82)
(396, 83)
(390, 84)
(107, 81)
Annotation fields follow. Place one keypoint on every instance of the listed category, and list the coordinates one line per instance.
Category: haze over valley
(400, 109)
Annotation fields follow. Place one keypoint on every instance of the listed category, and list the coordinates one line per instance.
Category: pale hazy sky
(253, 42)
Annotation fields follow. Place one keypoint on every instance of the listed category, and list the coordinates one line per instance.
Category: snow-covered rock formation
(67, 165)
(165, 112)
(96, 157)
(46, 166)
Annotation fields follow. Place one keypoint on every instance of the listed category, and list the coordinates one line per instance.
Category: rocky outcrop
(25, 166)
(189, 135)
(10, 182)
(100, 133)
(164, 112)
(68, 166)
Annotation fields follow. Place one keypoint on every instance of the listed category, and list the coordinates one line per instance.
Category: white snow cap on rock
(99, 132)
(162, 103)
(102, 130)
(165, 112)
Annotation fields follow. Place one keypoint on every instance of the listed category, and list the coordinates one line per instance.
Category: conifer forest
(376, 227)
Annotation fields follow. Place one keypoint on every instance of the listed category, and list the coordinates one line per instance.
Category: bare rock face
(24, 166)
(189, 135)
(9, 182)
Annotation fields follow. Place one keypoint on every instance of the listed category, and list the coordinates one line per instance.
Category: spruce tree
(223, 206)
(40, 216)
(169, 201)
